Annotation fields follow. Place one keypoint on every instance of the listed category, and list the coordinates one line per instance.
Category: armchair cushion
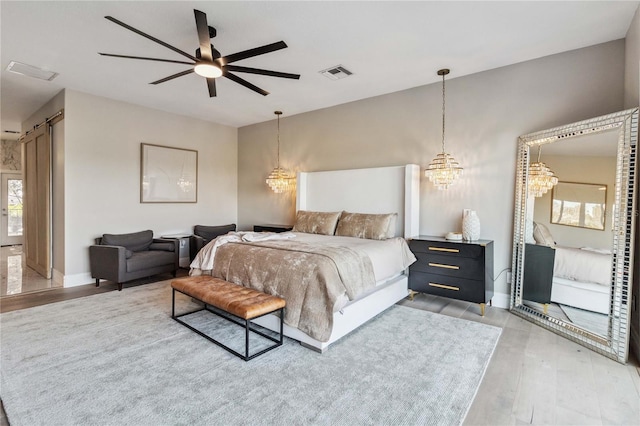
(136, 241)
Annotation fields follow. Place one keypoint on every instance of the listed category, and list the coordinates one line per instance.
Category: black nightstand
(456, 269)
(272, 228)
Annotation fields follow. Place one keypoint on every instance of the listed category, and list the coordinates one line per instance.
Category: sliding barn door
(37, 200)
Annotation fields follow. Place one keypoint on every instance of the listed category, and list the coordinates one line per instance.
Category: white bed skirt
(587, 296)
(348, 318)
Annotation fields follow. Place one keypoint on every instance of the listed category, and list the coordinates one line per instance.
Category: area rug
(118, 358)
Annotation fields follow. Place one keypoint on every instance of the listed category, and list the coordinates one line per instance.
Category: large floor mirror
(573, 230)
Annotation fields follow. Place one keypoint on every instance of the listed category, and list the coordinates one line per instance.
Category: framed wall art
(168, 174)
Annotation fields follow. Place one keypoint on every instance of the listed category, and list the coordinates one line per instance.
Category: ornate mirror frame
(616, 344)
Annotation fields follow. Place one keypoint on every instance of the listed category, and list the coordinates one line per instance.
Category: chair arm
(196, 242)
(108, 262)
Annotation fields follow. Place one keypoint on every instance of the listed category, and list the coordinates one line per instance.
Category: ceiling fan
(207, 61)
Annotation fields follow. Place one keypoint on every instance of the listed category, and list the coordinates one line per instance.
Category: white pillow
(542, 235)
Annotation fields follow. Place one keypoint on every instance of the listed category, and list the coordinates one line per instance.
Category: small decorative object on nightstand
(272, 228)
(456, 269)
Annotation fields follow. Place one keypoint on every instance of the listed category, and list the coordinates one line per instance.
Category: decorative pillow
(316, 222)
(135, 241)
(369, 226)
(542, 235)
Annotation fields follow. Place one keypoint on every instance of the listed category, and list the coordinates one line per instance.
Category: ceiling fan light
(208, 70)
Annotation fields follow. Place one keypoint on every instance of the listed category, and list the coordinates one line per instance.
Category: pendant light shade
(279, 180)
(541, 178)
(443, 170)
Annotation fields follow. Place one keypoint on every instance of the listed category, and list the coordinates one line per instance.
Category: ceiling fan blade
(171, 77)
(203, 35)
(262, 72)
(145, 58)
(245, 83)
(211, 84)
(168, 46)
(254, 52)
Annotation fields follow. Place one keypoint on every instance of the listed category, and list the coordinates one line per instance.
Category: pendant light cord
(443, 113)
(278, 140)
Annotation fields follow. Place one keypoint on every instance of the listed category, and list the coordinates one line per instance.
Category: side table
(184, 247)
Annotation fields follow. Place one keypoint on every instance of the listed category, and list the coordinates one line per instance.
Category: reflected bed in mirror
(568, 275)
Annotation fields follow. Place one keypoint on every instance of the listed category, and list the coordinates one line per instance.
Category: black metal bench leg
(97, 282)
(173, 303)
(246, 340)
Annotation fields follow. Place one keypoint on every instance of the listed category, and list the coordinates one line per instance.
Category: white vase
(470, 225)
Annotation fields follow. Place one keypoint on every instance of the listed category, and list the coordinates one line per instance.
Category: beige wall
(102, 174)
(486, 113)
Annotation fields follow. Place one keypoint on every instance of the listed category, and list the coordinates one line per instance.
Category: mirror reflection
(568, 269)
(573, 230)
(579, 204)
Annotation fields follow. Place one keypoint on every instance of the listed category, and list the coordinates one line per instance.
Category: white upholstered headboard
(374, 190)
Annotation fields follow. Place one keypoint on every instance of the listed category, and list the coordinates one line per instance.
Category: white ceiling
(389, 46)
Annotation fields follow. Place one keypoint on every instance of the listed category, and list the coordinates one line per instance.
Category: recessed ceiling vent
(31, 71)
(336, 73)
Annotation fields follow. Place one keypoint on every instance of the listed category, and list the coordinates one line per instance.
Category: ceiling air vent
(336, 73)
(31, 71)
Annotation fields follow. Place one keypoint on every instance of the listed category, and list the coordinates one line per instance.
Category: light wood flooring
(534, 377)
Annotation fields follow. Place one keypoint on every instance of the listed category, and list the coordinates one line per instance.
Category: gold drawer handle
(446, 287)
(442, 265)
(449, 250)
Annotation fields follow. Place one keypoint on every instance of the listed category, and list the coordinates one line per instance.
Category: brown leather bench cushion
(240, 301)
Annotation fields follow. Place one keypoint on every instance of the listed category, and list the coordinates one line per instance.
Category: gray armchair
(202, 235)
(125, 257)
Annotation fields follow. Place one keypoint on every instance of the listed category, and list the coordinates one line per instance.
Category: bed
(582, 278)
(361, 275)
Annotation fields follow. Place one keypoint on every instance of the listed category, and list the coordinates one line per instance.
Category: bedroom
(487, 111)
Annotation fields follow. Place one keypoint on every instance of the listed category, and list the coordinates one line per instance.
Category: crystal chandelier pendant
(280, 180)
(541, 179)
(444, 170)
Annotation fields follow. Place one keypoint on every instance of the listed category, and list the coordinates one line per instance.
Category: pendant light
(444, 169)
(280, 180)
(541, 178)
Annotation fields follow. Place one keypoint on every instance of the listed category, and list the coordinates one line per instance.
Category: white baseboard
(501, 300)
(78, 279)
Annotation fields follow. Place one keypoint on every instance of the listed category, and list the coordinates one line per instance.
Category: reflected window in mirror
(582, 205)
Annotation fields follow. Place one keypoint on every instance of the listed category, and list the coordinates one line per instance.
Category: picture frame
(581, 205)
(168, 174)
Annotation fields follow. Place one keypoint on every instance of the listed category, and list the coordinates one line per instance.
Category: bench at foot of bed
(241, 303)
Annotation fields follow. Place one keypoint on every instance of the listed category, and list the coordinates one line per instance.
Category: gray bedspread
(310, 278)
